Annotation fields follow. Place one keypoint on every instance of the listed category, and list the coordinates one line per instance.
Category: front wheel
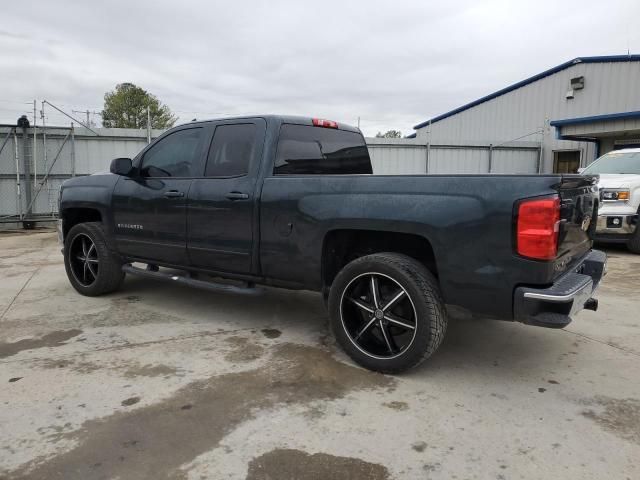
(386, 312)
(91, 267)
(633, 244)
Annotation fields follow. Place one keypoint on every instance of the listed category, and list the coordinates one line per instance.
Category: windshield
(616, 162)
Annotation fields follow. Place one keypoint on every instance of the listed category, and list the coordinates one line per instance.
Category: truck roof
(295, 119)
(627, 150)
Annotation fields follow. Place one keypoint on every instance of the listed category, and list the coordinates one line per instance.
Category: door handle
(237, 196)
(173, 194)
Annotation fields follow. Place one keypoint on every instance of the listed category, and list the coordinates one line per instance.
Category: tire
(633, 244)
(365, 334)
(102, 271)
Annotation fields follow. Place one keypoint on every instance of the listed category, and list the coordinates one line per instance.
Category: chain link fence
(35, 161)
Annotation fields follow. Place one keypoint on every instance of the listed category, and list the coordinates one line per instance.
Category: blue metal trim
(546, 73)
(580, 139)
(595, 118)
(574, 139)
(413, 135)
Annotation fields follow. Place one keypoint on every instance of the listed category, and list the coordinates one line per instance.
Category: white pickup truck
(619, 187)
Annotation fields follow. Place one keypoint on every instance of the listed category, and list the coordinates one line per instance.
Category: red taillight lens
(538, 226)
(319, 122)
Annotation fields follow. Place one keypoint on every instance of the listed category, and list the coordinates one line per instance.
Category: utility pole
(73, 151)
(23, 123)
(429, 147)
(35, 148)
(148, 124)
(86, 112)
(44, 137)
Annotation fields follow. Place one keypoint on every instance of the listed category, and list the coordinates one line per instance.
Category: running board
(192, 282)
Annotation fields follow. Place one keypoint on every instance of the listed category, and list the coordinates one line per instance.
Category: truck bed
(467, 219)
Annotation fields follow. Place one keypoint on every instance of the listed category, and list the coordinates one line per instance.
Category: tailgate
(578, 215)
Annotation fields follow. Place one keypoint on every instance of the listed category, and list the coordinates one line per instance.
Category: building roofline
(595, 118)
(527, 81)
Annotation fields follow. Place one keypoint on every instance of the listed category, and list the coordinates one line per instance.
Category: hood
(608, 180)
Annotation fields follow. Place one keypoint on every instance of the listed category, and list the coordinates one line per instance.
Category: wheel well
(74, 216)
(343, 246)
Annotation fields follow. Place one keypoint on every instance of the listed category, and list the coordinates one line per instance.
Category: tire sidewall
(633, 244)
(104, 256)
(421, 301)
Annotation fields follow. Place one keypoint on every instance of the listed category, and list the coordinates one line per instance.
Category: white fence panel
(397, 156)
(514, 161)
(409, 157)
(398, 160)
(458, 160)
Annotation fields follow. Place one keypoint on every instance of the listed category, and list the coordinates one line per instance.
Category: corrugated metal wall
(89, 153)
(609, 88)
(397, 156)
(411, 157)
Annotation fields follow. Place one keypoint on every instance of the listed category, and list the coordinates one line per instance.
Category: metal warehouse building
(577, 111)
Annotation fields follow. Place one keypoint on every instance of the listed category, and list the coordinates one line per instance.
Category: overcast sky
(392, 63)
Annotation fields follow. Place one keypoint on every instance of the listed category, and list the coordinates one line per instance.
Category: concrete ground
(162, 381)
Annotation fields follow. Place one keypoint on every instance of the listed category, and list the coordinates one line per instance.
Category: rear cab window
(231, 150)
(311, 150)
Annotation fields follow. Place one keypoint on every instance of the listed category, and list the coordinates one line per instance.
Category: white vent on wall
(577, 83)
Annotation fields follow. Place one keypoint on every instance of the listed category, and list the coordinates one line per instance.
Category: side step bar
(192, 282)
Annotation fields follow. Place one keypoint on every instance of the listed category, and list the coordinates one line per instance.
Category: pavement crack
(129, 345)
(617, 347)
(19, 292)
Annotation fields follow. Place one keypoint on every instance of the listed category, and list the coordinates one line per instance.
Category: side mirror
(582, 169)
(121, 166)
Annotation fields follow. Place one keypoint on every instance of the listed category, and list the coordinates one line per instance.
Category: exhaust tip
(591, 304)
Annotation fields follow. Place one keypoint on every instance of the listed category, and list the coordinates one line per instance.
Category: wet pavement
(163, 381)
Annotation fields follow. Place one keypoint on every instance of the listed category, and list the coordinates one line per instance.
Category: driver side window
(174, 155)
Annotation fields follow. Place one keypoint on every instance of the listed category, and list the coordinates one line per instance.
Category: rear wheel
(91, 267)
(387, 312)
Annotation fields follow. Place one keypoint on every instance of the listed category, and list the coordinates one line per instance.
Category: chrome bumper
(554, 306)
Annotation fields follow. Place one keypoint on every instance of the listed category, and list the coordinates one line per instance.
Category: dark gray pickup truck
(291, 202)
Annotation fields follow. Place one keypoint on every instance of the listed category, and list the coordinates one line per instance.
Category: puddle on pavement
(271, 332)
(618, 416)
(286, 463)
(53, 339)
(150, 442)
(243, 350)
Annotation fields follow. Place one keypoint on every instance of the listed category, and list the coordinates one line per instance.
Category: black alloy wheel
(386, 311)
(378, 315)
(83, 258)
(92, 266)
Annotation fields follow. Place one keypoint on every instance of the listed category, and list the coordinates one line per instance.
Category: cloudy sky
(392, 63)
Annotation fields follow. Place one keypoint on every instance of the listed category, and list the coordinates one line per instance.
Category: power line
(16, 102)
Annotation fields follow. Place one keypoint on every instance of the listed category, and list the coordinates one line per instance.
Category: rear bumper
(554, 306)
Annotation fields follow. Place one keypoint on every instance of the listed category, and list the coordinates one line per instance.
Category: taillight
(538, 227)
(319, 122)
